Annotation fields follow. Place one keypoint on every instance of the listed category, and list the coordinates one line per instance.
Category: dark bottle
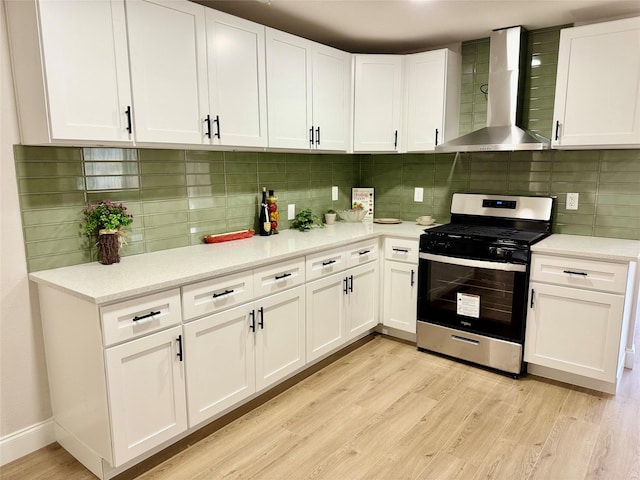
(263, 217)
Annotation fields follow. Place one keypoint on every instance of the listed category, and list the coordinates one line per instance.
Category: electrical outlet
(572, 201)
(418, 194)
(291, 211)
(334, 193)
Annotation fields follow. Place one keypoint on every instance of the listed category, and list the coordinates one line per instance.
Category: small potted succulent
(106, 220)
(305, 220)
(330, 216)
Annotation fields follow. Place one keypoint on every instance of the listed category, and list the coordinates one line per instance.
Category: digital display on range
(510, 204)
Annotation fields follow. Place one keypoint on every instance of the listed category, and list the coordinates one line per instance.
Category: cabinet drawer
(277, 277)
(589, 274)
(401, 250)
(325, 263)
(362, 252)
(214, 295)
(140, 316)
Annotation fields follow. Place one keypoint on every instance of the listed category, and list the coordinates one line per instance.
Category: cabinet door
(362, 299)
(220, 362)
(167, 47)
(574, 330)
(146, 393)
(597, 98)
(331, 98)
(326, 315)
(288, 90)
(378, 98)
(237, 85)
(86, 69)
(280, 336)
(400, 296)
(432, 99)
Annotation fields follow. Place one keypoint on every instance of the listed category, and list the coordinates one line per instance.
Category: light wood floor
(387, 411)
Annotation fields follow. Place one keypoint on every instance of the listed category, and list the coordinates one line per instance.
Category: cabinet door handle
(207, 120)
(129, 125)
(400, 250)
(318, 136)
(571, 272)
(261, 321)
(413, 275)
(311, 136)
(395, 140)
(179, 340)
(437, 137)
(284, 275)
(142, 317)
(533, 292)
(557, 135)
(226, 292)
(364, 252)
(328, 262)
(217, 122)
(346, 285)
(252, 316)
(350, 283)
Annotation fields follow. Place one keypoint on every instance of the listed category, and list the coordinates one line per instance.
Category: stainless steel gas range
(474, 276)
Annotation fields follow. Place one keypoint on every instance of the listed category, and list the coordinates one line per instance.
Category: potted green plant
(305, 219)
(106, 220)
(330, 216)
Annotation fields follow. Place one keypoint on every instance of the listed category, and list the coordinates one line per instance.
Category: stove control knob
(492, 252)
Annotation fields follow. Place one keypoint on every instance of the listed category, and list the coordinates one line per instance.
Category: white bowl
(352, 215)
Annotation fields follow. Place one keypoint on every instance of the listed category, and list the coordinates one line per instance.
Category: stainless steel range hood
(506, 69)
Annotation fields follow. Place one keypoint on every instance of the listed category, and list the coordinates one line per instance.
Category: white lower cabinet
(362, 304)
(146, 392)
(235, 353)
(220, 362)
(400, 299)
(326, 315)
(577, 320)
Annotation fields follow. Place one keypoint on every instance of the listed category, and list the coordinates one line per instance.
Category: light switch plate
(418, 194)
(291, 211)
(572, 201)
(334, 193)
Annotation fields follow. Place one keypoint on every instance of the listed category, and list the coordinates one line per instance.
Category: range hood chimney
(502, 133)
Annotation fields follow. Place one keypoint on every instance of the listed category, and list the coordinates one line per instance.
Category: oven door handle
(468, 262)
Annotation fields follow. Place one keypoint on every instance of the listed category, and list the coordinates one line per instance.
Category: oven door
(482, 297)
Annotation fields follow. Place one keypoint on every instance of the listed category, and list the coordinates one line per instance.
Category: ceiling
(404, 26)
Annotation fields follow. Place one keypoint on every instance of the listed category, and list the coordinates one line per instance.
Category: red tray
(225, 237)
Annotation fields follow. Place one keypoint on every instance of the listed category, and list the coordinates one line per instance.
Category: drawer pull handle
(465, 340)
(328, 262)
(148, 315)
(252, 325)
(400, 250)
(179, 340)
(571, 272)
(284, 275)
(226, 292)
(364, 252)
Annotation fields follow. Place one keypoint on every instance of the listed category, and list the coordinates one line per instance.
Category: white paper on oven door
(468, 305)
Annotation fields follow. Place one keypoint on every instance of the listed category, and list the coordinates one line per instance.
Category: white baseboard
(25, 441)
(629, 357)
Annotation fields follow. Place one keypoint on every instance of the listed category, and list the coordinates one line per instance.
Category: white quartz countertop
(595, 248)
(140, 274)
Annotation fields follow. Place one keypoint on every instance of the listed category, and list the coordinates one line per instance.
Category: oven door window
(480, 300)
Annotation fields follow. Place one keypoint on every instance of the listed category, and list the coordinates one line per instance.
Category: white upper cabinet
(597, 100)
(237, 86)
(71, 70)
(331, 98)
(378, 103)
(309, 106)
(168, 53)
(431, 99)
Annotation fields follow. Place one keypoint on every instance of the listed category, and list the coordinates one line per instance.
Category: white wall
(25, 411)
